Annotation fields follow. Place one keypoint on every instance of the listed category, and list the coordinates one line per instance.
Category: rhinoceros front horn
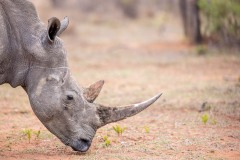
(113, 114)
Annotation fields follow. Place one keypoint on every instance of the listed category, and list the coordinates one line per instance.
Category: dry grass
(136, 64)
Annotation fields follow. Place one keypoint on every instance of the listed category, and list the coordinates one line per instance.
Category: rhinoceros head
(62, 106)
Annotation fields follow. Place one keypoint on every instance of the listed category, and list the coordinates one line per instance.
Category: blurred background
(215, 21)
(122, 41)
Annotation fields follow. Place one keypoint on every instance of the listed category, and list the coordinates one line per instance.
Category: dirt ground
(137, 61)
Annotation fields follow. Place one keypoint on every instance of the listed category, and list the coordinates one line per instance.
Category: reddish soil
(136, 63)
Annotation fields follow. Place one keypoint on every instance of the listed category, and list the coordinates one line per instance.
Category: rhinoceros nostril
(85, 141)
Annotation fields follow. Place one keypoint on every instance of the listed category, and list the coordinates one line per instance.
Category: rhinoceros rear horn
(113, 114)
(92, 92)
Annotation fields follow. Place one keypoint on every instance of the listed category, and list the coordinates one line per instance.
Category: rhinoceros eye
(69, 97)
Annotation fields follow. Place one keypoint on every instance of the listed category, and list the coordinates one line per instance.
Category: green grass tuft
(205, 118)
(147, 129)
(119, 130)
(28, 133)
(107, 142)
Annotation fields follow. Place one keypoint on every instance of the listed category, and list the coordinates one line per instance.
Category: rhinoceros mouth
(81, 145)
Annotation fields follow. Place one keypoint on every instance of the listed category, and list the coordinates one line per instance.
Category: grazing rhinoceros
(33, 56)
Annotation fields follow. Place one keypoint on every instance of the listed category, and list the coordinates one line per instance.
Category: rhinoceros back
(4, 42)
(18, 23)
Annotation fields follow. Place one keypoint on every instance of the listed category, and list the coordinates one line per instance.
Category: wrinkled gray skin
(32, 56)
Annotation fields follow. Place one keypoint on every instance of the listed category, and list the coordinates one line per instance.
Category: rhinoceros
(33, 56)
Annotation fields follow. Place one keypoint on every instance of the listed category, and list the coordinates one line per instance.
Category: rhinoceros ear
(64, 25)
(53, 28)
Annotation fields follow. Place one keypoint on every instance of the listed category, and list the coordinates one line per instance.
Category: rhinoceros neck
(19, 23)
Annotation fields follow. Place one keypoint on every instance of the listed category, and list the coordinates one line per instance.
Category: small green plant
(213, 121)
(147, 129)
(201, 49)
(119, 130)
(205, 118)
(37, 133)
(107, 142)
(28, 133)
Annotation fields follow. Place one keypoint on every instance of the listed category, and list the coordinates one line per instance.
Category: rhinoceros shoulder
(19, 24)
